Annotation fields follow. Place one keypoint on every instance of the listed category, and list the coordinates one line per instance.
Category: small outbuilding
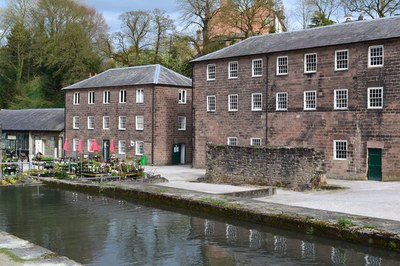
(28, 132)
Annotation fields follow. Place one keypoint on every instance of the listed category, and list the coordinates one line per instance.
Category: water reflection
(97, 230)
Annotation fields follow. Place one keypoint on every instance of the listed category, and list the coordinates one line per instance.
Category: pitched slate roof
(344, 33)
(49, 119)
(138, 75)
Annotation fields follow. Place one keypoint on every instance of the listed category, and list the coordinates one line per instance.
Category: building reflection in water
(225, 241)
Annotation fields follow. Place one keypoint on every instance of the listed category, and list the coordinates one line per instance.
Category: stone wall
(294, 168)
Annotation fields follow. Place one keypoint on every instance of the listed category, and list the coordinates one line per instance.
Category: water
(96, 230)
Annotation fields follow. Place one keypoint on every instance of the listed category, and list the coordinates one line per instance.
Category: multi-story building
(131, 112)
(333, 88)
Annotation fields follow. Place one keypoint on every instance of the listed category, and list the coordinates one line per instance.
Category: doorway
(179, 154)
(375, 164)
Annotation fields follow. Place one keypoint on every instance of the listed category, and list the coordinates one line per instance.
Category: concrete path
(366, 198)
(185, 177)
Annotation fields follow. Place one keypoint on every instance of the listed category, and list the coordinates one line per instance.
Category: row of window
(122, 97)
(121, 146)
(340, 149)
(340, 101)
(375, 59)
(375, 100)
(233, 102)
(122, 122)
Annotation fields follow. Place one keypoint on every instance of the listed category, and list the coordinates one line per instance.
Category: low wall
(294, 168)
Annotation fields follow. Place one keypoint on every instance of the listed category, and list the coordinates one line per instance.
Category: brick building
(333, 88)
(143, 110)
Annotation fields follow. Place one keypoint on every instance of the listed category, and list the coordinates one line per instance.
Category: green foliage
(61, 174)
(319, 19)
(344, 222)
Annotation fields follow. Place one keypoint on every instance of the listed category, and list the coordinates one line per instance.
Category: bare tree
(16, 12)
(199, 13)
(303, 13)
(374, 8)
(162, 25)
(137, 27)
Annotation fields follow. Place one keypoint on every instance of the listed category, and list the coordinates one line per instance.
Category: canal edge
(17, 251)
(357, 229)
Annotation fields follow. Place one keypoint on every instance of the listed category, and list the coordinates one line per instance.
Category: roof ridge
(157, 74)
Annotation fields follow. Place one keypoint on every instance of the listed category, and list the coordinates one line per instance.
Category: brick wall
(295, 168)
(361, 127)
(216, 127)
(166, 130)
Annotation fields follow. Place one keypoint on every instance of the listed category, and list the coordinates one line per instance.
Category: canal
(97, 230)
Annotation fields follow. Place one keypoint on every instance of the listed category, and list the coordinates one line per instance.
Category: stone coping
(16, 251)
(362, 230)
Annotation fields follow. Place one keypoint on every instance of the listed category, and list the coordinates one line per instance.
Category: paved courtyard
(367, 198)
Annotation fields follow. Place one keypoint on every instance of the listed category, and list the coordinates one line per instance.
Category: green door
(106, 150)
(375, 164)
(176, 158)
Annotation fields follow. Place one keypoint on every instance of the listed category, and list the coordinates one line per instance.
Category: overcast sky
(112, 9)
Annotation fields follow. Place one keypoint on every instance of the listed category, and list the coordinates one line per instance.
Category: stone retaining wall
(294, 168)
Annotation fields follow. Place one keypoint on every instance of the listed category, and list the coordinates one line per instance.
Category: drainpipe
(193, 119)
(266, 100)
(153, 125)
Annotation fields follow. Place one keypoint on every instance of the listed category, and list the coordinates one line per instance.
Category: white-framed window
(139, 122)
(310, 100)
(341, 59)
(375, 98)
(122, 122)
(139, 96)
(281, 101)
(256, 101)
(91, 97)
(375, 56)
(90, 122)
(282, 66)
(341, 99)
(257, 67)
(233, 70)
(75, 144)
(181, 122)
(182, 96)
(232, 141)
(76, 122)
(106, 122)
(122, 96)
(77, 98)
(211, 103)
(340, 151)
(139, 147)
(211, 71)
(233, 102)
(255, 142)
(89, 144)
(310, 63)
(121, 147)
(106, 97)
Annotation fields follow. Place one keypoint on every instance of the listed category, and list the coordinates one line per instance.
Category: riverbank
(357, 229)
(15, 251)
